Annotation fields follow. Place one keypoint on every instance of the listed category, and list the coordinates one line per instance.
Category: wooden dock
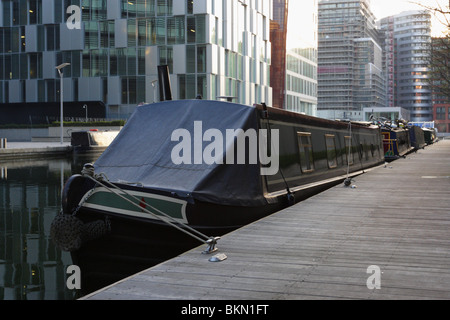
(397, 218)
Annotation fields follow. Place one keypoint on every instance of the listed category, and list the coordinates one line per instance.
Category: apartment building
(407, 49)
(350, 74)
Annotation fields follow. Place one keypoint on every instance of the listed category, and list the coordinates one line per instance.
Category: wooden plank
(397, 218)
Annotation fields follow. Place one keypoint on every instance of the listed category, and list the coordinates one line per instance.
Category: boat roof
(142, 152)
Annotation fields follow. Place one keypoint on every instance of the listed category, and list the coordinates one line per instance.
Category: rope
(349, 149)
(88, 172)
(290, 196)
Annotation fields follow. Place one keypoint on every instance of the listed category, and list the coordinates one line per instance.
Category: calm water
(31, 267)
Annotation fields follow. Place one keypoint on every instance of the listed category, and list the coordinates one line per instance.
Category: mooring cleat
(348, 182)
(211, 248)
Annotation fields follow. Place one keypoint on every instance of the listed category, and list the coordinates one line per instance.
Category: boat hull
(396, 143)
(311, 154)
(136, 242)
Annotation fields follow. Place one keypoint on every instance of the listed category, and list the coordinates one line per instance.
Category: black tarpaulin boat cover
(142, 152)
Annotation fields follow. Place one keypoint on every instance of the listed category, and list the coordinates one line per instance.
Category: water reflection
(31, 267)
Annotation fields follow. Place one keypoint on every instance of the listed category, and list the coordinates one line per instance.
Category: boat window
(331, 150)
(348, 149)
(306, 152)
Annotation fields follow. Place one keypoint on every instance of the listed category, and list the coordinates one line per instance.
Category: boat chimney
(165, 90)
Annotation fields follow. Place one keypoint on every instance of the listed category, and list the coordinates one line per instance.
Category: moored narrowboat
(396, 142)
(183, 173)
(417, 137)
(430, 135)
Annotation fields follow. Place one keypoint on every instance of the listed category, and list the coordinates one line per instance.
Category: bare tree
(440, 12)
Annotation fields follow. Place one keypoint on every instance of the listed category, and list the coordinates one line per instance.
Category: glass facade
(213, 48)
(294, 57)
(349, 57)
(301, 73)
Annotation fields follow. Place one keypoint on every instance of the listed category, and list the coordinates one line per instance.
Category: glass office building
(213, 49)
(301, 66)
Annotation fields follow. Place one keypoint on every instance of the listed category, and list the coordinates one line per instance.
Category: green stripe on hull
(103, 199)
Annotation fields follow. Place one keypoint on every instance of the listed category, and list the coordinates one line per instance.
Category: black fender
(68, 231)
(74, 190)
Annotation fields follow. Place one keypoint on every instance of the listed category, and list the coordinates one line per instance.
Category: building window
(94, 10)
(6, 13)
(164, 7)
(6, 99)
(22, 39)
(166, 57)
(75, 89)
(156, 31)
(440, 113)
(133, 90)
(190, 59)
(5, 65)
(142, 32)
(190, 6)
(23, 86)
(23, 66)
(40, 38)
(113, 62)
(52, 91)
(41, 90)
(35, 12)
(181, 87)
(191, 30)
(107, 34)
(52, 32)
(137, 8)
(99, 63)
(201, 59)
(132, 33)
(105, 90)
(15, 66)
(306, 152)
(330, 141)
(189, 86)
(131, 62)
(141, 61)
(175, 30)
(202, 86)
(122, 61)
(2, 76)
(58, 11)
(15, 39)
(91, 35)
(196, 32)
(20, 12)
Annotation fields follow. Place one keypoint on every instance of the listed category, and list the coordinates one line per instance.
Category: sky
(384, 8)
